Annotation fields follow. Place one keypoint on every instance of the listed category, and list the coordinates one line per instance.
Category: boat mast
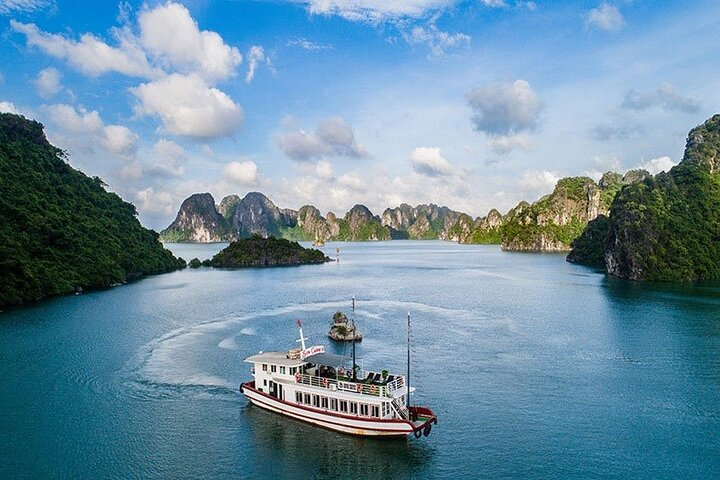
(354, 371)
(407, 380)
(302, 338)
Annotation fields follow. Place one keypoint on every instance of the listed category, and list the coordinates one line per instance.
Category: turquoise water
(535, 367)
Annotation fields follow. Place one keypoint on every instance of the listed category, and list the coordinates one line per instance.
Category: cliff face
(198, 221)
(360, 224)
(60, 231)
(667, 227)
(554, 221)
(227, 206)
(256, 214)
(425, 222)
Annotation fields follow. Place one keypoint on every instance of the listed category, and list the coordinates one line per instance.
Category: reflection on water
(310, 452)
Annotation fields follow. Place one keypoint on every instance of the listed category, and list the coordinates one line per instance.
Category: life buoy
(359, 387)
(325, 382)
(373, 390)
(298, 377)
(418, 433)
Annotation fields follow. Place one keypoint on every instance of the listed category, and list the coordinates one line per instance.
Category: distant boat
(320, 388)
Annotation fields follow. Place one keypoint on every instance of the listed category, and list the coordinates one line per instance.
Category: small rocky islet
(257, 251)
(342, 330)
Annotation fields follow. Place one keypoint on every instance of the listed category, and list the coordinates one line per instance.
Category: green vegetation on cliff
(257, 251)
(60, 229)
(589, 247)
(667, 227)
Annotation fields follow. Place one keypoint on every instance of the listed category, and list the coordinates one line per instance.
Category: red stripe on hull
(379, 431)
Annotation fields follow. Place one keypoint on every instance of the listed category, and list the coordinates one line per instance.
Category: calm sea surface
(535, 367)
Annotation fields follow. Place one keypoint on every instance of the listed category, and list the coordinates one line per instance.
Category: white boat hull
(341, 423)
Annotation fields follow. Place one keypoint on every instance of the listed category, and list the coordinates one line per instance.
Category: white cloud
(171, 35)
(90, 55)
(150, 201)
(605, 17)
(169, 159)
(494, 3)
(48, 82)
(13, 6)
(657, 165)
(374, 10)
(505, 144)
(241, 173)
(8, 107)
(308, 45)
(256, 56)
(89, 126)
(186, 105)
(333, 137)
(665, 97)
(437, 40)
(503, 109)
(181, 62)
(120, 140)
(537, 182)
(324, 169)
(430, 162)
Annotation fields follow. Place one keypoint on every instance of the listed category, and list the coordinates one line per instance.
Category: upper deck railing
(374, 389)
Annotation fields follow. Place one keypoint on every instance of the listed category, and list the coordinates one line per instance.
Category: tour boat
(320, 388)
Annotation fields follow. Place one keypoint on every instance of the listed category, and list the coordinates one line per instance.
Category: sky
(472, 104)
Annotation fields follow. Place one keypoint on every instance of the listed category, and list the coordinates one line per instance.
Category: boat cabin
(325, 382)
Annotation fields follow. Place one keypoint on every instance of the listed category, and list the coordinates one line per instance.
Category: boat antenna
(354, 372)
(302, 338)
(407, 380)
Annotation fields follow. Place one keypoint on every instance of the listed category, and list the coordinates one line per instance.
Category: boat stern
(422, 419)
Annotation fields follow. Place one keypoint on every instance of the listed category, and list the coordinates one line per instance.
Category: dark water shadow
(288, 448)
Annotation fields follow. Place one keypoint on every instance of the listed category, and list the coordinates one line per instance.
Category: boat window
(265, 382)
(343, 406)
(307, 398)
(375, 411)
(282, 370)
(298, 397)
(353, 408)
(316, 401)
(273, 368)
(333, 404)
(323, 402)
(264, 367)
(364, 409)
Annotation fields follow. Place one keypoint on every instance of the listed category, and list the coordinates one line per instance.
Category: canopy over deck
(329, 359)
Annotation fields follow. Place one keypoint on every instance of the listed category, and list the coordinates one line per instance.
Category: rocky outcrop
(360, 224)
(665, 228)
(257, 214)
(198, 221)
(343, 330)
(310, 220)
(227, 206)
(257, 251)
(61, 232)
(424, 222)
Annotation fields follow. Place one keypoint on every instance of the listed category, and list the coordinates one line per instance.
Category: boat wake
(207, 358)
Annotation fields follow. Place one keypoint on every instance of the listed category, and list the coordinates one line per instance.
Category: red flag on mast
(299, 323)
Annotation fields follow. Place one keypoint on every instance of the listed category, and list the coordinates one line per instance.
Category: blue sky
(473, 104)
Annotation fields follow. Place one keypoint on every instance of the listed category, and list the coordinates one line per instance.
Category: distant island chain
(62, 232)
